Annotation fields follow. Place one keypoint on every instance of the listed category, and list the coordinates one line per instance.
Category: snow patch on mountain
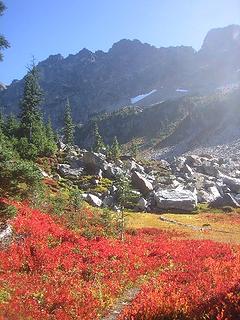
(141, 96)
(182, 90)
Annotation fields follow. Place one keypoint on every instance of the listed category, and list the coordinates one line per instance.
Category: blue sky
(44, 27)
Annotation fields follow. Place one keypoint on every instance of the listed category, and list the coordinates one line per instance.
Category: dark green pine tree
(98, 145)
(3, 42)
(32, 97)
(124, 198)
(68, 125)
(134, 149)
(49, 130)
(11, 126)
(115, 149)
(1, 121)
(51, 146)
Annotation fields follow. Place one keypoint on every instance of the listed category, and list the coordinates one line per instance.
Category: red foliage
(203, 283)
(50, 272)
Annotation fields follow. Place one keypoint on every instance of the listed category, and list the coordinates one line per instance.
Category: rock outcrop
(177, 186)
(224, 201)
(176, 200)
(141, 183)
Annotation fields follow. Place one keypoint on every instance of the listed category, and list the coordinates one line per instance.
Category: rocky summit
(131, 73)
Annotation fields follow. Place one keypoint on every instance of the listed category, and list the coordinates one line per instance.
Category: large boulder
(108, 201)
(67, 172)
(142, 204)
(141, 183)
(208, 195)
(232, 183)
(112, 171)
(237, 197)
(223, 201)
(74, 161)
(193, 160)
(93, 200)
(210, 169)
(176, 200)
(94, 161)
(134, 166)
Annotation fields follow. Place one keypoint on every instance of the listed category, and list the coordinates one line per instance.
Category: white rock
(94, 200)
(141, 183)
(176, 200)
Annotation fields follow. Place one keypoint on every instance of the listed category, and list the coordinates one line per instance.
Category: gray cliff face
(97, 81)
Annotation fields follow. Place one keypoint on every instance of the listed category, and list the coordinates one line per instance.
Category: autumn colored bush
(51, 272)
(203, 284)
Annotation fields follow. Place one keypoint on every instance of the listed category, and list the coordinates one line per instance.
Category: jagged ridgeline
(131, 73)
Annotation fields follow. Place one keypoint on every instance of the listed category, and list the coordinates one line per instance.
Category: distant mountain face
(131, 73)
(174, 127)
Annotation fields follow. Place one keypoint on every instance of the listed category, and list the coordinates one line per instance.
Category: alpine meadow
(120, 161)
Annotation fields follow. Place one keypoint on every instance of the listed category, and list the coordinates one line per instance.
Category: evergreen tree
(14, 171)
(98, 145)
(124, 198)
(32, 97)
(51, 146)
(1, 121)
(39, 137)
(11, 126)
(68, 125)
(75, 198)
(3, 42)
(134, 149)
(36, 139)
(49, 130)
(115, 149)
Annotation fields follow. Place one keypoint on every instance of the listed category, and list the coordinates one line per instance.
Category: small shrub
(26, 150)
(58, 204)
(7, 211)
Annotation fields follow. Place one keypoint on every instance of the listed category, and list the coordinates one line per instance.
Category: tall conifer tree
(68, 125)
(98, 145)
(32, 97)
(115, 149)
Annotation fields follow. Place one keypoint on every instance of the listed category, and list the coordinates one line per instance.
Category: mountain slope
(173, 127)
(100, 81)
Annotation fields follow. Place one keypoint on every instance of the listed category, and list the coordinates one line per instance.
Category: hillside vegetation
(181, 125)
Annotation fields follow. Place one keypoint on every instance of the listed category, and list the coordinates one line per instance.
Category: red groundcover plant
(50, 272)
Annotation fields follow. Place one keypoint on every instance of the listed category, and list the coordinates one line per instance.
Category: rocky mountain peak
(82, 56)
(53, 58)
(106, 81)
(84, 53)
(222, 39)
(125, 45)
